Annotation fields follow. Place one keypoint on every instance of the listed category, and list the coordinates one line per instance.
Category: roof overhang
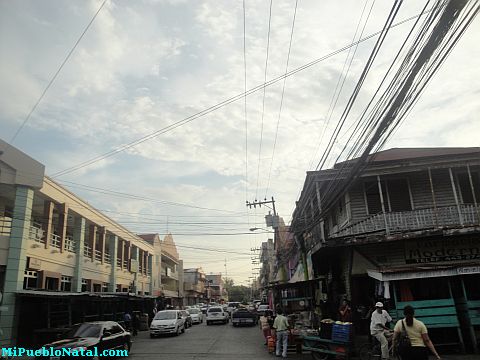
(422, 273)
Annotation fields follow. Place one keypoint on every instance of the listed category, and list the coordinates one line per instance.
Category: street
(217, 342)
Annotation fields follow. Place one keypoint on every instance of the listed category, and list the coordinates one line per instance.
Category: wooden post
(473, 193)
(433, 197)
(460, 217)
(387, 231)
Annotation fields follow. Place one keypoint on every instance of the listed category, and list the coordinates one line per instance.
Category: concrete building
(53, 243)
(194, 285)
(215, 288)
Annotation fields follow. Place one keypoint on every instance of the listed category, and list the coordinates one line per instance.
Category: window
(399, 195)
(372, 196)
(465, 188)
(30, 279)
(66, 283)
(51, 283)
(105, 287)
(97, 287)
(84, 285)
(116, 329)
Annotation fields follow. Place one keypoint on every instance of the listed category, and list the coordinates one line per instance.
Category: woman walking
(418, 335)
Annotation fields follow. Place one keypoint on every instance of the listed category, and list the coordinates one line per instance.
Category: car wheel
(126, 346)
(208, 322)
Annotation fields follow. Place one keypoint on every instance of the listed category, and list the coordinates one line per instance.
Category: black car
(100, 335)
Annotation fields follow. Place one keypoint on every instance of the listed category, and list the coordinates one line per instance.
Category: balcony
(87, 251)
(107, 258)
(69, 244)
(36, 233)
(55, 241)
(119, 262)
(415, 220)
(98, 255)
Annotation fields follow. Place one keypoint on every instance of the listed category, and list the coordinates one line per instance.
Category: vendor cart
(324, 348)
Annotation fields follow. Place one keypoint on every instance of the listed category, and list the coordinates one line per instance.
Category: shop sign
(34, 263)
(442, 250)
(468, 270)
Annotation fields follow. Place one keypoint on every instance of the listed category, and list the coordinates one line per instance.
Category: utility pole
(256, 203)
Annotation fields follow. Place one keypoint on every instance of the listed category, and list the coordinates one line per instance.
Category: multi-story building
(58, 255)
(215, 288)
(194, 285)
(405, 231)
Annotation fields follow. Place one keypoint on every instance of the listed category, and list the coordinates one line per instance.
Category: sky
(145, 64)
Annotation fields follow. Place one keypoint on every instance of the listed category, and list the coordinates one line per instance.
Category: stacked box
(341, 332)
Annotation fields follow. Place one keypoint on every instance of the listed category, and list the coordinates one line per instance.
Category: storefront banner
(442, 250)
(406, 275)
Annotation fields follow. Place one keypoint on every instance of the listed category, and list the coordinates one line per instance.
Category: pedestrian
(345, 311)
(418, 335)
(127, 319)
(264, 325)
(136, 323)
(378, 322)
(281, 327)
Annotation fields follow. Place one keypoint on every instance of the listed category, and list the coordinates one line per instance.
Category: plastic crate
(341, 333)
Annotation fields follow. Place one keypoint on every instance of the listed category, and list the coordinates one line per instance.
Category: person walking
(281, 327)
(378, 326)
(418, 335)
(264, 325)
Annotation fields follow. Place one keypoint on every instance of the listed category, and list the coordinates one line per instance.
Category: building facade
(406, 231)
(194, 285)
(52, 244)
(215, 290)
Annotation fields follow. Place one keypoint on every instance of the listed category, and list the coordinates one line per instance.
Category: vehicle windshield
(193, 311)
(214, 310)
(84, 330)
(165, 315)
(233, 304)
(263, 307)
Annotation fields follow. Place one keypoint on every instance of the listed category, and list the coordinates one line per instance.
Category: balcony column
(150, 270)
(460, 217)
(134, 255)
(122, 254)
(433, 196)
(103, 239)
(319, 201)
(62, 223)
(79, 229)
(16, 263)
(146, 262)
(473, 193)
(113, 248)
(48, 207)
(93, 240)
(387, 231)
(128, 256)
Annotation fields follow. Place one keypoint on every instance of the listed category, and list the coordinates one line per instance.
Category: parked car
(188, 319)
(196, 315)
(103, 335)
(216, 314)
(232, 306)
(167, 322)
(243, 316)
(204, 309)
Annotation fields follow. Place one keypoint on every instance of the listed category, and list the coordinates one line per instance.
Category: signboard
(441, 250)
(34, 263)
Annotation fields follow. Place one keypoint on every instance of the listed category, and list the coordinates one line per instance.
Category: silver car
(167, 322)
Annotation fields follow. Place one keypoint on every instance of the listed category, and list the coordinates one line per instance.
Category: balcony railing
(5, 226)
(107, 258)
(125, 264)
(87, 251)
(98, 255)
(119, 262)
(36, 233)
(55, 240)
(422, 219)
(69, 244)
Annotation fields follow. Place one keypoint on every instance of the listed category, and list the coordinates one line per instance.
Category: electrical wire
(218, 105)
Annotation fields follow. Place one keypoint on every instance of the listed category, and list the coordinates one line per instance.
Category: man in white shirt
(378, 326)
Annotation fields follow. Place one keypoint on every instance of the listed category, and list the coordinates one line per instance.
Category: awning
(292, 285)
(393, 274)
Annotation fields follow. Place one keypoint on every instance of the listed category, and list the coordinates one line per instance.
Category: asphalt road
(216, 342)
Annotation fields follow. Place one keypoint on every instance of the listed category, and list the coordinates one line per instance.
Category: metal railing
(36, 233)
(125, 264)
(5, 226)
(107, 258)
(98, 255)
(119, 262)
(55, 240)
(421, 219)
(69, 244)
(87, 251)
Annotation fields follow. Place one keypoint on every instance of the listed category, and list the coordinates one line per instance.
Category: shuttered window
(399, 195)
(466, 188)
(372, 196)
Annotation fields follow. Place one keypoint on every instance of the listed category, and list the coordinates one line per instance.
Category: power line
(219, 105)
(281, 99)
(263, 98)
(56, 73)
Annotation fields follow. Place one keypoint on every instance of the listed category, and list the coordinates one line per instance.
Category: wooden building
(406, 231)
